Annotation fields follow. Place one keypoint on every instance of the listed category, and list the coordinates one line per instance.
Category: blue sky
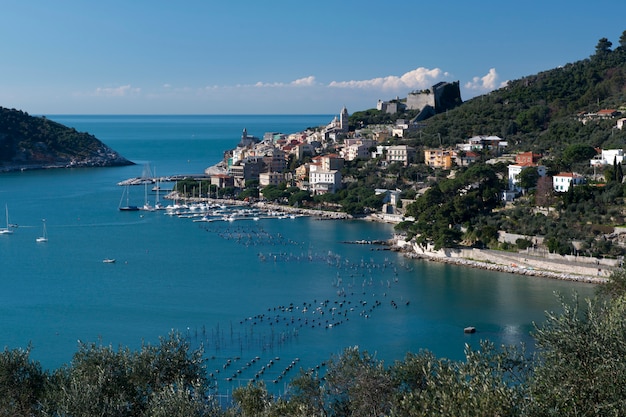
(278, 56)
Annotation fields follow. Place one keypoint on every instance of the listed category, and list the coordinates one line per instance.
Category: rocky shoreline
(94, 162)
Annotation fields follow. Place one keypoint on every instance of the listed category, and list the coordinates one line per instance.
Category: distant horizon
(183, 114)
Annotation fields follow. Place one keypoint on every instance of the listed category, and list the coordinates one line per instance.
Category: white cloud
(304, 82)
(486, 83)
(415, 79)
(121, 91)
(300, 82)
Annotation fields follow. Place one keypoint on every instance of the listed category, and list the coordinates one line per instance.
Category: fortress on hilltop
(441, 97)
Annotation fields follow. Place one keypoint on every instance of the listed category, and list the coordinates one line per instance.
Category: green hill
(28, 142)
(539, 112)
(555, 113)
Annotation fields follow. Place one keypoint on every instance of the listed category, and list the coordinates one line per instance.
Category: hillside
(538, 112)
(541, 113)
(28, 142)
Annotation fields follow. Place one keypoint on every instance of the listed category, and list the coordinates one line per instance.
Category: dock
(155, 180)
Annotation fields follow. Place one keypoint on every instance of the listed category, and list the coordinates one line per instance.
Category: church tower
(343, 120)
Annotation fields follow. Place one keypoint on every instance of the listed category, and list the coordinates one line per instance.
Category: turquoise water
(273, 288)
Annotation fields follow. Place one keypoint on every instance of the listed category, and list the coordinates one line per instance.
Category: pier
(170, 178)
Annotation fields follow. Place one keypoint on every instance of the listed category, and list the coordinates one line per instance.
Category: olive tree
(581, 369)
(103, 381)
(22, 383)
(490, 382)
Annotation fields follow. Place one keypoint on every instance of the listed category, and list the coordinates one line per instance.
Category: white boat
(44, 235)
(157, 188)
(127, 207)
(108, 261)
(8, 230)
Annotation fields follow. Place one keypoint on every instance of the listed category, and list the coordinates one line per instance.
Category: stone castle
(443, 96)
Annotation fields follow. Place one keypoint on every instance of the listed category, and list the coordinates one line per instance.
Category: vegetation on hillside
(538, 112)
(36, 142)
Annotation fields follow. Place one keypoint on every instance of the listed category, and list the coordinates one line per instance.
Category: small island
(28, 142)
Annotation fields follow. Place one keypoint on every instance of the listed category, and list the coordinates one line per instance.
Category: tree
(253, 400)
(308, 394)
(580, 369)
(578, 152)
(22, 383)
(490, 382)
(616, 285)
(273, 193)
(102, 381)
(528, 178)
(622, 40)
(357, 384)
(178, 400)
(544, 195)
(298, 197)
(603, 47)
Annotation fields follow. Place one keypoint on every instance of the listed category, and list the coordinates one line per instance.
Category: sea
(264, 298)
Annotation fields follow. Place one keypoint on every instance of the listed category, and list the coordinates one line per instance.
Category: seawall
(515, 263)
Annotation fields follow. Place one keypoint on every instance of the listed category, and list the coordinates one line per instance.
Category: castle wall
(417, 101)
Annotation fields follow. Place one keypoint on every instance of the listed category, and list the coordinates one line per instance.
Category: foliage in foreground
(577, 370)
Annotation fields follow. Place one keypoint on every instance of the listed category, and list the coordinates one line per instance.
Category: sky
(279, 56)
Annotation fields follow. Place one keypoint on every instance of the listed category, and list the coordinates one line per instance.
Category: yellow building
(439, 158)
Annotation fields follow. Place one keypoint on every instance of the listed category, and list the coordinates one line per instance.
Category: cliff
(28, 142)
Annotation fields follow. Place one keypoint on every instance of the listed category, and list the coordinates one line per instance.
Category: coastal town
(312, 162)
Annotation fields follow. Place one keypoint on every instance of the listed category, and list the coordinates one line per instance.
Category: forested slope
(28, 142)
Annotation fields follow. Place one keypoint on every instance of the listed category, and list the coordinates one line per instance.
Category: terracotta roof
(568, 175)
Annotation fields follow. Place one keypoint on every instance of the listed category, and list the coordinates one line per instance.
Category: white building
(516, 169)
(487, 143)
(322, 182)
(271, 178)
(400, 153)
(608, 156)
(563, 181)
(357, 150)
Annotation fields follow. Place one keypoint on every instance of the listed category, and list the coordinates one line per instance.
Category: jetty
(170, 178)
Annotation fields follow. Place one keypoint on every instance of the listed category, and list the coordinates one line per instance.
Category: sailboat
(44, 236)
(157, 203)
(146, 177)
(127, 207)
(8, 230)
(146, 204)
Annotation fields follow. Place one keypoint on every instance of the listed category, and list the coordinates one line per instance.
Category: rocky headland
(28, 142)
